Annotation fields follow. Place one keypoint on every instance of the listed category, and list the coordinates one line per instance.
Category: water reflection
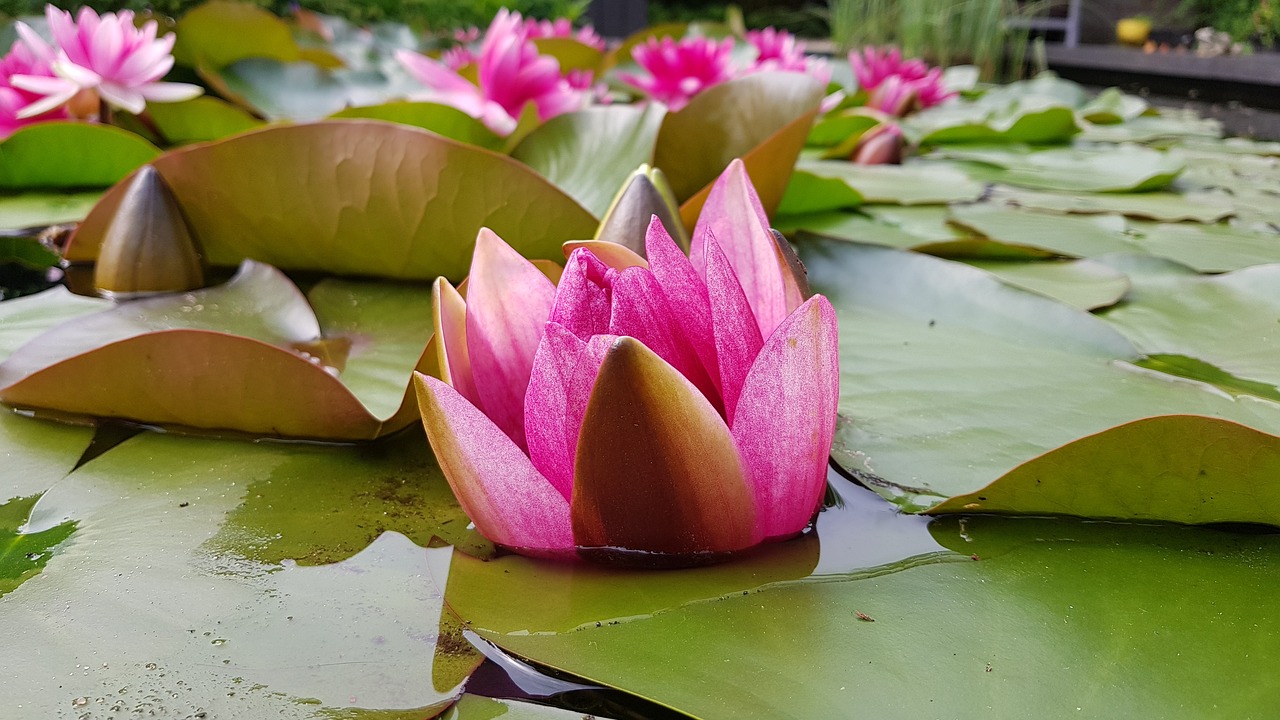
(864, 531)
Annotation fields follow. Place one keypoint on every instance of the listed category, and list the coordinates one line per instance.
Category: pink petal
(170, 92)
(450, 319)
(105, 48)
(737, 337)
(641, 310)
(583, 299)
(508, 301)
(564, 371)
(433, 74)
(618, 257)
(785, 418)
(57, 92)
(497, 486)
(734, 213)
(688, 293)
(126, 99)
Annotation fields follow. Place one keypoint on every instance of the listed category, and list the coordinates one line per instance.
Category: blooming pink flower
(105, 57)
(562, 28)
(24, 59)
(681, 406)
(678, 70)
(511, 74)
(779, 50)
(894, 85)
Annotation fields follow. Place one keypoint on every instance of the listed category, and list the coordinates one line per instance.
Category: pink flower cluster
(894, 85)
(677, 70)
(463, 54)
(93, 59)
(511, 73)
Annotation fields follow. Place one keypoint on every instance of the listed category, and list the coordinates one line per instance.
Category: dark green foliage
(436, 14)
(807, 19)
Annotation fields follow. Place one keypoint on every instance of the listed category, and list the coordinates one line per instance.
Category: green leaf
(355, 197)
(298, 90)
(200, 120)
(1200, 207)
(811, 193)
(1123, 168)
(70, 155)
(833, 130)
(440, 119)
(1016, 617)
(1112, 106)
(27, 252)
(1154, 128)
(762, 118)
(1083, 284)
(951, 379)
(35, 210)
(22, 319)
(913, 184)
(218, 33)
(24, 555)
(37, 453)
(160, 586)
(590, 153)
(250, 356)
(1035, 120)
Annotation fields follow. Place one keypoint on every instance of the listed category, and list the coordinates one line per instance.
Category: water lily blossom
(24, 58)
(681, 407)
(780, 50)
(511, 74)
(894, 85)
(676, 70)
(105, 58)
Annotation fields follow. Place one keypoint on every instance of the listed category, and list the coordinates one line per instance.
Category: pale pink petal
(433, 74)
(82, 76)
(42, 50)
(687, 292)
(126, 99)
(734, 213)
(564, 371)
(785, 418)
(510, 502)
(105, 47)
(56, 91)
(450, 321)
(583, 297)
(641, 310)
(170, 92)
(508, 301)
(737, 336)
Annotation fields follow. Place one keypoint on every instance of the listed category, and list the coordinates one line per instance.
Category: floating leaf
(1162, 206)
(250, 356)
(1033, 120)
(1123, 168)
(440, 119)
(217, 33)
(178, 622)
(70, 155)
(200, 120)
(24, 555)
(35, 210)
(951, 379)
(762, 118)
(590, 153)
(912, 184)
(355, 197)
(1083, 284)
(1112, 106)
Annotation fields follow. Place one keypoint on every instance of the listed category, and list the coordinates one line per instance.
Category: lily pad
(1162, 206)
(1023, 618)
(250, 356)
(178, 627)
(440, 119)
(762, 118)
(912, 184)
(1122, 168)
(70, 155)
(1083, 284)
(590, 153)
(1033, 120)
(1112, 106)
(951, 379)
(200, 120)
(33, 210)
(24, 555)
(217, 33)
(354, 197)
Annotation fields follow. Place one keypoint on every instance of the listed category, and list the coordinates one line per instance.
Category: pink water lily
(894, 85)
(511, 74)
(683, 406)
(24, 59)
(676, 70)
(105, 58)
(780, 50)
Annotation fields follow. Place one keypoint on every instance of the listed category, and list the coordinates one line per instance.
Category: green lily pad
(179, 626)
(590, 153)
(1154, 128)
(22, 319)
(251, 356)
(27, 252)
(1123, 168)
(354, 197)
(1112, 106)
(1083, 284)
(834, 129)
(298, 90)
(1200, 207)
(912, 184)
(762, 118)
(952, 379)
(32, 210)
(217, 33)
(24, 555)
(200, 120)
(1208, 248)
(1035, 120)
(70, 155)
(440, 119)
(1023, 618)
